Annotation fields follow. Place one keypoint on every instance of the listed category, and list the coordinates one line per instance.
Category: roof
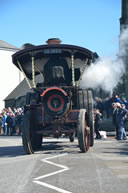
(21, 89)
(6, 46)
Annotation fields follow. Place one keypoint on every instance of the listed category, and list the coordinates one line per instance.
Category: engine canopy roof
(43, 53)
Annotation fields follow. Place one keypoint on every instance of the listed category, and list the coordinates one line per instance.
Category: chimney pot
(53, 41)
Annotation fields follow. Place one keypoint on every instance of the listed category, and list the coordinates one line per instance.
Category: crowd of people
(11, 121)
(115, 107)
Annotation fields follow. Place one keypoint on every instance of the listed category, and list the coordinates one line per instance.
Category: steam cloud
(105, 73)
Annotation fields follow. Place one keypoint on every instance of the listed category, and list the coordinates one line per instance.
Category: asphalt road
(60, 167)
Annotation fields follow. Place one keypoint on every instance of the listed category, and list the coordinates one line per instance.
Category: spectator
(18, 122)
(114, 119)
(4, 122)
(1, 127)
(124, 101)
(107, 107)
(97, 122)
(13, 124)
(118, 99)
(9, 121)
(99, 105)
(122, 111)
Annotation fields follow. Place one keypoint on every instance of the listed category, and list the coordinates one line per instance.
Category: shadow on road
(50, 147)
(123, 150)
(12, 151)
(59, 147)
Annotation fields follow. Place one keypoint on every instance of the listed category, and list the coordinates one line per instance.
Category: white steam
(105, 73)
(123, 47)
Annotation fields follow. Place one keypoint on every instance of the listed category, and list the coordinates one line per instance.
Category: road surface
(60, 167)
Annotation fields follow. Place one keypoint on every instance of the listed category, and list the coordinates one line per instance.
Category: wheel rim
(83, 132)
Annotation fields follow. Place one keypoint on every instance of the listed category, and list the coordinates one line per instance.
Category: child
(98, 121)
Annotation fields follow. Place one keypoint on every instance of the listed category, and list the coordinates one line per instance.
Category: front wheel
(29, 134)
(83, 132)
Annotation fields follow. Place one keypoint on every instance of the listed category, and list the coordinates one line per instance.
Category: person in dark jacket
(100, 105)
(114, 119)
(121, 114)
(9, 122)
(124, 101)
(97, 122)
(18, 122)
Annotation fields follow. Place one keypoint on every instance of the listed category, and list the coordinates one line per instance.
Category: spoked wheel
(83, 132)
(91, 117)
(31, 140)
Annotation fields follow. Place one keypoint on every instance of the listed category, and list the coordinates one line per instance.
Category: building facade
(9, 74)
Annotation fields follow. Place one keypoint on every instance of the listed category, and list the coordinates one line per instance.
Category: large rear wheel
(80, 100)
(91, 117)
(83, 132)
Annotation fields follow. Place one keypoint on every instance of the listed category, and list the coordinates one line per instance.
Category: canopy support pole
(73, 70)
(33, 72)
(24, 74)
(82, 72)
(39, 71)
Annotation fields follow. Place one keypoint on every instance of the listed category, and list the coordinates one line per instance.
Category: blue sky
(93, 24)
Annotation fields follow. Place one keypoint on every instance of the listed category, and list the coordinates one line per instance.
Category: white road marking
(64, 168)
(51, 187)
(50, 174)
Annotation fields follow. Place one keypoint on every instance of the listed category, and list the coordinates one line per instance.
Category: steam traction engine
(56, 104)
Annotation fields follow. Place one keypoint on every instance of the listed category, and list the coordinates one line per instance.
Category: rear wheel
(80, 100)
(85, 105)
(91, 117)
(83, 132)
(85, 101)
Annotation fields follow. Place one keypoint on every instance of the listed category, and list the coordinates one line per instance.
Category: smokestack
(53, 41)
(124, 15)
(123, 42)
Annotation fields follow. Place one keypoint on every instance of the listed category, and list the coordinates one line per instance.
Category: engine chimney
(124, 15)
(53, 41)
